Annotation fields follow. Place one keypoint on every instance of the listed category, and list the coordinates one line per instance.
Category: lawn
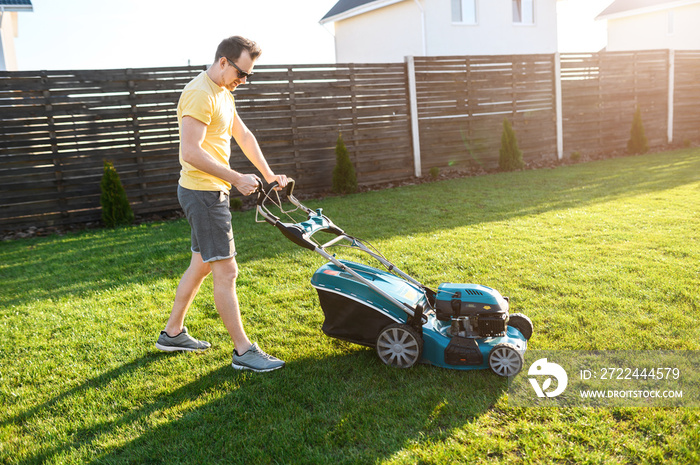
(600, 255)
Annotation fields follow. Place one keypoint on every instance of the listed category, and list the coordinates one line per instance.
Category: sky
(578, 30)
(104, 34)
(99, 34)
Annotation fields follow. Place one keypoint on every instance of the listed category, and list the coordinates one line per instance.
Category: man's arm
(193, 133)
(249, 144)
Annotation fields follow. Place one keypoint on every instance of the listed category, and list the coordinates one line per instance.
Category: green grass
(602, 255)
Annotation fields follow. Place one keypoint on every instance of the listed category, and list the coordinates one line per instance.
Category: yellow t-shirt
(214, 106)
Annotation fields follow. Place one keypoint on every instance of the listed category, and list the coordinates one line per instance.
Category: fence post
(413, 111)
(671, 89)
(558, 105)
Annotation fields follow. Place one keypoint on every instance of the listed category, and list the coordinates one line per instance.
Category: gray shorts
(209, 215)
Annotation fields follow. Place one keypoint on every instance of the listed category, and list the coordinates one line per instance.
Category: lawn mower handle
(299, 233)
(262, 193)
(265, 194)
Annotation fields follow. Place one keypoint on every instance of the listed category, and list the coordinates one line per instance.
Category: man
(208, 119)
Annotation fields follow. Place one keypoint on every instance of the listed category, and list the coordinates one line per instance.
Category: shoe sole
(257, 370)
(177, 349)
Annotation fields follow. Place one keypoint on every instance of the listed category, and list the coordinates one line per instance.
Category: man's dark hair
(232, 48)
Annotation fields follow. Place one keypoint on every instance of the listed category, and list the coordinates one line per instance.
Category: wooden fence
(297, 113)
(601, 92)
(462, 102)
(686, 99)
(57, 127)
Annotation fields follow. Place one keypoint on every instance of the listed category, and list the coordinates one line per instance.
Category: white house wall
(650, 31)
(494, 33)
(381, 36)
(389, 34)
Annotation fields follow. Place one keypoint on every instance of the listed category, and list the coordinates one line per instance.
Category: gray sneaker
(182, 341)
(255, 359)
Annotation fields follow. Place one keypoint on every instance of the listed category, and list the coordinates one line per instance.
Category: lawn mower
(459, 326)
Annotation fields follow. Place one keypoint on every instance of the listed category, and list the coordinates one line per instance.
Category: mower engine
(473, 310)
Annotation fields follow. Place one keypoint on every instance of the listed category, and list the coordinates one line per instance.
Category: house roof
(621, 8)
(16, 5)
(345, 9)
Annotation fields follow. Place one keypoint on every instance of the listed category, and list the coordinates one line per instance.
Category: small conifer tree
(511, 157)
(638, 140)
(115, 205)
(344, 177)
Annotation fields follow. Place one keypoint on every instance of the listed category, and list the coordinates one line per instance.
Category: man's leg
(186, 292)
(175, 336)
(224, 274)
(246, 356)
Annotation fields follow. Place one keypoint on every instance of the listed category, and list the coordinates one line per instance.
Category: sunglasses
(241, 74)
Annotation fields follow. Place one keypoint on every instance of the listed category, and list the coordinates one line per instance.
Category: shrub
(434, 172)
(638, 141)
(236, 204)
(576, 156)
(511, 157)
(344, 177)
(115, 206)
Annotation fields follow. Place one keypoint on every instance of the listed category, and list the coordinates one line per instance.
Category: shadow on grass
(338, 409)
(95, 383)
(91, 261)
(56, 267)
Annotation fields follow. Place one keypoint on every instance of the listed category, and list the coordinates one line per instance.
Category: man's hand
(246, 183)
(281, 180)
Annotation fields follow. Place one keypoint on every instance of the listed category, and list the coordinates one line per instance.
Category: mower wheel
(505, 360)
(399, 345)
(522, 323)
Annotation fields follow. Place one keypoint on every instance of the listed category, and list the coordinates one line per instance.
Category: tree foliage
(637, 143)
(344, 177)
(511, 157)
(115, 205)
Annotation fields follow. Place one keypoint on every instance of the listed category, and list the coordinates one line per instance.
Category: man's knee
(225, 269)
